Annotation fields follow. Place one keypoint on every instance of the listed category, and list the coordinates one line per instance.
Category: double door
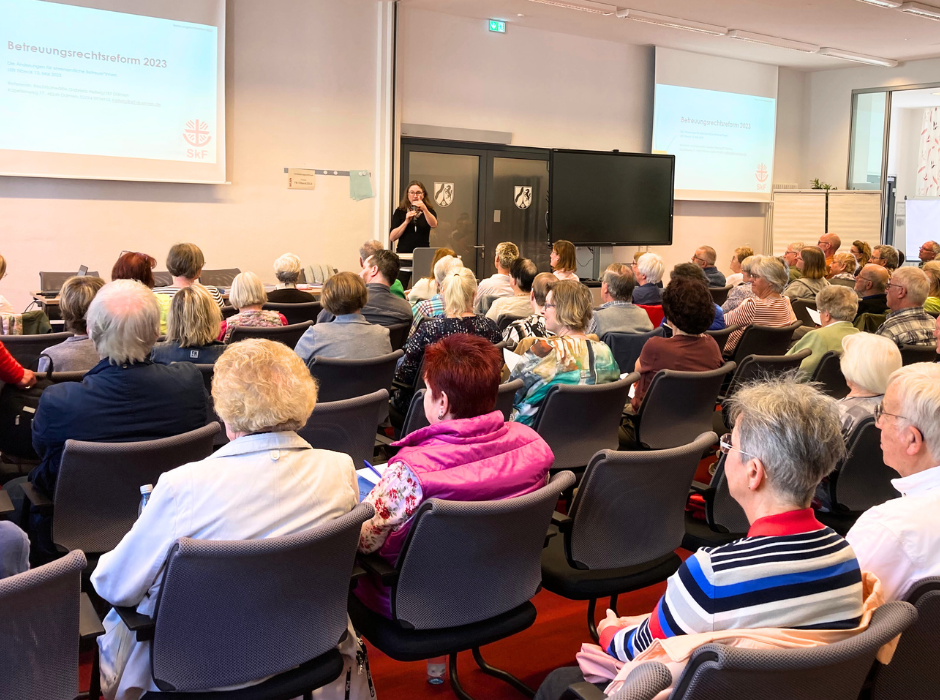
(483, 195)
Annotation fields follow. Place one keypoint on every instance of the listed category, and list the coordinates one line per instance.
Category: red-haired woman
(134, 266)
(467, 453)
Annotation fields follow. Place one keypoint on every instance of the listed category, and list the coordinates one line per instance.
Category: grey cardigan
(349, 337)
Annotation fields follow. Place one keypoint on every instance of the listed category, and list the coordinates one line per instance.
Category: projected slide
(99, 83)
(722, 141)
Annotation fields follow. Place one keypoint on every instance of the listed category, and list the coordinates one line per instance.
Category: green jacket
(821, 341)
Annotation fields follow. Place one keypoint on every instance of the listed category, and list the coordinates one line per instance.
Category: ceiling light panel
(754, 38)
(918, 10)
(672, 22)
(858, 57)
(596, 8)
(890, 4)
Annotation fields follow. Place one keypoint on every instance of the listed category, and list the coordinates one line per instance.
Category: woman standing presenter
(413, 220)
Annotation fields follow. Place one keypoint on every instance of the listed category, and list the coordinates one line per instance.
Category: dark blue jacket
(115, 403)
(169, 351)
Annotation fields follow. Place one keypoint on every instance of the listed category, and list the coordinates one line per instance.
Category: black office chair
(288, 335)
(347, 426)
(725, 520)
(398, 334)
(26, 349)
(505, 320)
(297, 313)
(416, 419)
(626, 347)
(828, 374)
(219, 278)
(720, 294)
(721, 336)
(764, 340)
(918, 353)
(800, 307)
(53, 281)
(340, 379)
(755, 368)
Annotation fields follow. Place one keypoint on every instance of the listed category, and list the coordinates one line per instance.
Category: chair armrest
(89, 626)
(583, 691)
(383, 440)
(36, 498)
(357, 573)
(562, 522)
(699, 487)
(377, 566)
(142, 625)
(6, 505)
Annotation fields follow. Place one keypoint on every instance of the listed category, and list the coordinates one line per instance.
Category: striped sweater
(774, 311)
(790, 571)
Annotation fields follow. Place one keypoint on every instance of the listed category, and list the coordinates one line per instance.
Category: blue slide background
(93, 107)
(713, 157)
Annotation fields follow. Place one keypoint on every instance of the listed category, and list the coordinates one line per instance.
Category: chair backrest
(219, 278)
(347, 426)
(720, 294)
(725, 512)
(679, 406)
(863, 480)
(800, 307)
(505, 320)
(464, 562)
(643, 493)
(97, 492)
(655, 312)
(228, 311)
(626, 347)
(918, 353)
(53, 281)
(26, 349)
(398, 334)
(340, 379)
(289, 335)
(764, 340)
(233, 612)
(578, 420)
(162, 279)
(721, 336)
(828, 374)
(421, 262)
(756, 367)
(485, 302)
(835, 671)
(415, 419)
(911, 673)
(208, 371)
(76, 376)
(297, 313)
(39, 631)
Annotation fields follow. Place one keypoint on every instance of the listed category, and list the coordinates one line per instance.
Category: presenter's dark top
(417, 234)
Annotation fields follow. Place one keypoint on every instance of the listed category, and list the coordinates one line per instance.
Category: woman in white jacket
(266, 482)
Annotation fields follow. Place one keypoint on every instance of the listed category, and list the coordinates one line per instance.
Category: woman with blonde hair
(193, 325)
(812, 263)
(426, 287)
(77, 353)
(932, 270)
(737, 277)
(266, 482)
(287, 269)
(459, 288)
(248, 296)
(564, 261)
(842, 270)
(861, 251)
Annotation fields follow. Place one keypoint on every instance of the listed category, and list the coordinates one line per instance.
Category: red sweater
(11, 372)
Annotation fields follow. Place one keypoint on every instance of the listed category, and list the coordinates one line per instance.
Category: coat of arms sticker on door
(523, 196)
(444, 193)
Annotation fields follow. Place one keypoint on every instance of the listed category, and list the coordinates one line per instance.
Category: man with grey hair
(649, 271)
(836, 306)
(908, 323)
(929, 251)
(366, 251)
(871, 285)
(618, 313)
(705, 258)
(125, 397)
(793, 252)
(886, 256)
(899, 541)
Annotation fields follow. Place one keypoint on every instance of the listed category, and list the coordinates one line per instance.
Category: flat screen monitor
(611, 198)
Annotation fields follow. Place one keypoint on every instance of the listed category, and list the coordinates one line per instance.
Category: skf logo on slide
(196, 133)
(761, 173)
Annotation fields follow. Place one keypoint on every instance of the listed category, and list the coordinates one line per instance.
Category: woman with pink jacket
(467, 453)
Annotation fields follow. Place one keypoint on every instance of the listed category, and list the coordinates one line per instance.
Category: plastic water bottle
(145, 492)
(436, 669)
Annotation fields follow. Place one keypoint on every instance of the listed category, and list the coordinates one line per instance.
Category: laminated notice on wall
(301, 179)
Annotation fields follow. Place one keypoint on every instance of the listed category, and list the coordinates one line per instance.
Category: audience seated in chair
(193, 326)
(705, 258)
(366, 251)
(572, 356)
(266, 482)
(5, 306)
(467, 453)
(564, 261)
(125, 397)
(871, 285)
(287, 269)
(811, 263)
(427, 287)
(434, 307)
(618, 313)
(522, 273)
(139, 266)
(907, 323)
(185, 262)
(899, 540)
(350, 335)
(383, 308)
(499, 284)
(861, 251)
(829, 244)
(743, 291)
(836, 305)
(694, 272)
(767, 307)
(459, 288)
(533, 326)
(78, 352)
(789, 572)
(648, 270)
(842, 270)
(867, 362)
(789, 260)
(737, 274)
(932, 270)
(887, 257)
(248, 297)
(12, 372)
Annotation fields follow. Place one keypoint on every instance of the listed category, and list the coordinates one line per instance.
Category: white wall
(302, 92)
(560, 91)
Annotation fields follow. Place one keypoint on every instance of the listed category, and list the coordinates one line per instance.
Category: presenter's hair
(460, 286)
(194, 319)
(185, 260)
(506, 252)
(247, 290)
(814, 263)
(573, 304)
(287, 268)
(124, 322)
(134, 266)
(567, 260)
(344, 293)
(405, 203)
(74, 299)
(542, 285)
(651, 266)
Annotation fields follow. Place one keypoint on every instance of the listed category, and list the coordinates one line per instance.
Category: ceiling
(844, 24)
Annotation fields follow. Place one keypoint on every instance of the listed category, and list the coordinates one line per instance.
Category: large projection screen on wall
(718, 117)
(113, 89)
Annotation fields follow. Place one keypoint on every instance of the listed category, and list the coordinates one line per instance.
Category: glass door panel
(516, 208)
(866, 149)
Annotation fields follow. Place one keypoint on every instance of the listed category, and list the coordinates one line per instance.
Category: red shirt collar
(792, 522)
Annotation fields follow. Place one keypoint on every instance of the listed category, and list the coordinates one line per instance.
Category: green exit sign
(497, 26)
